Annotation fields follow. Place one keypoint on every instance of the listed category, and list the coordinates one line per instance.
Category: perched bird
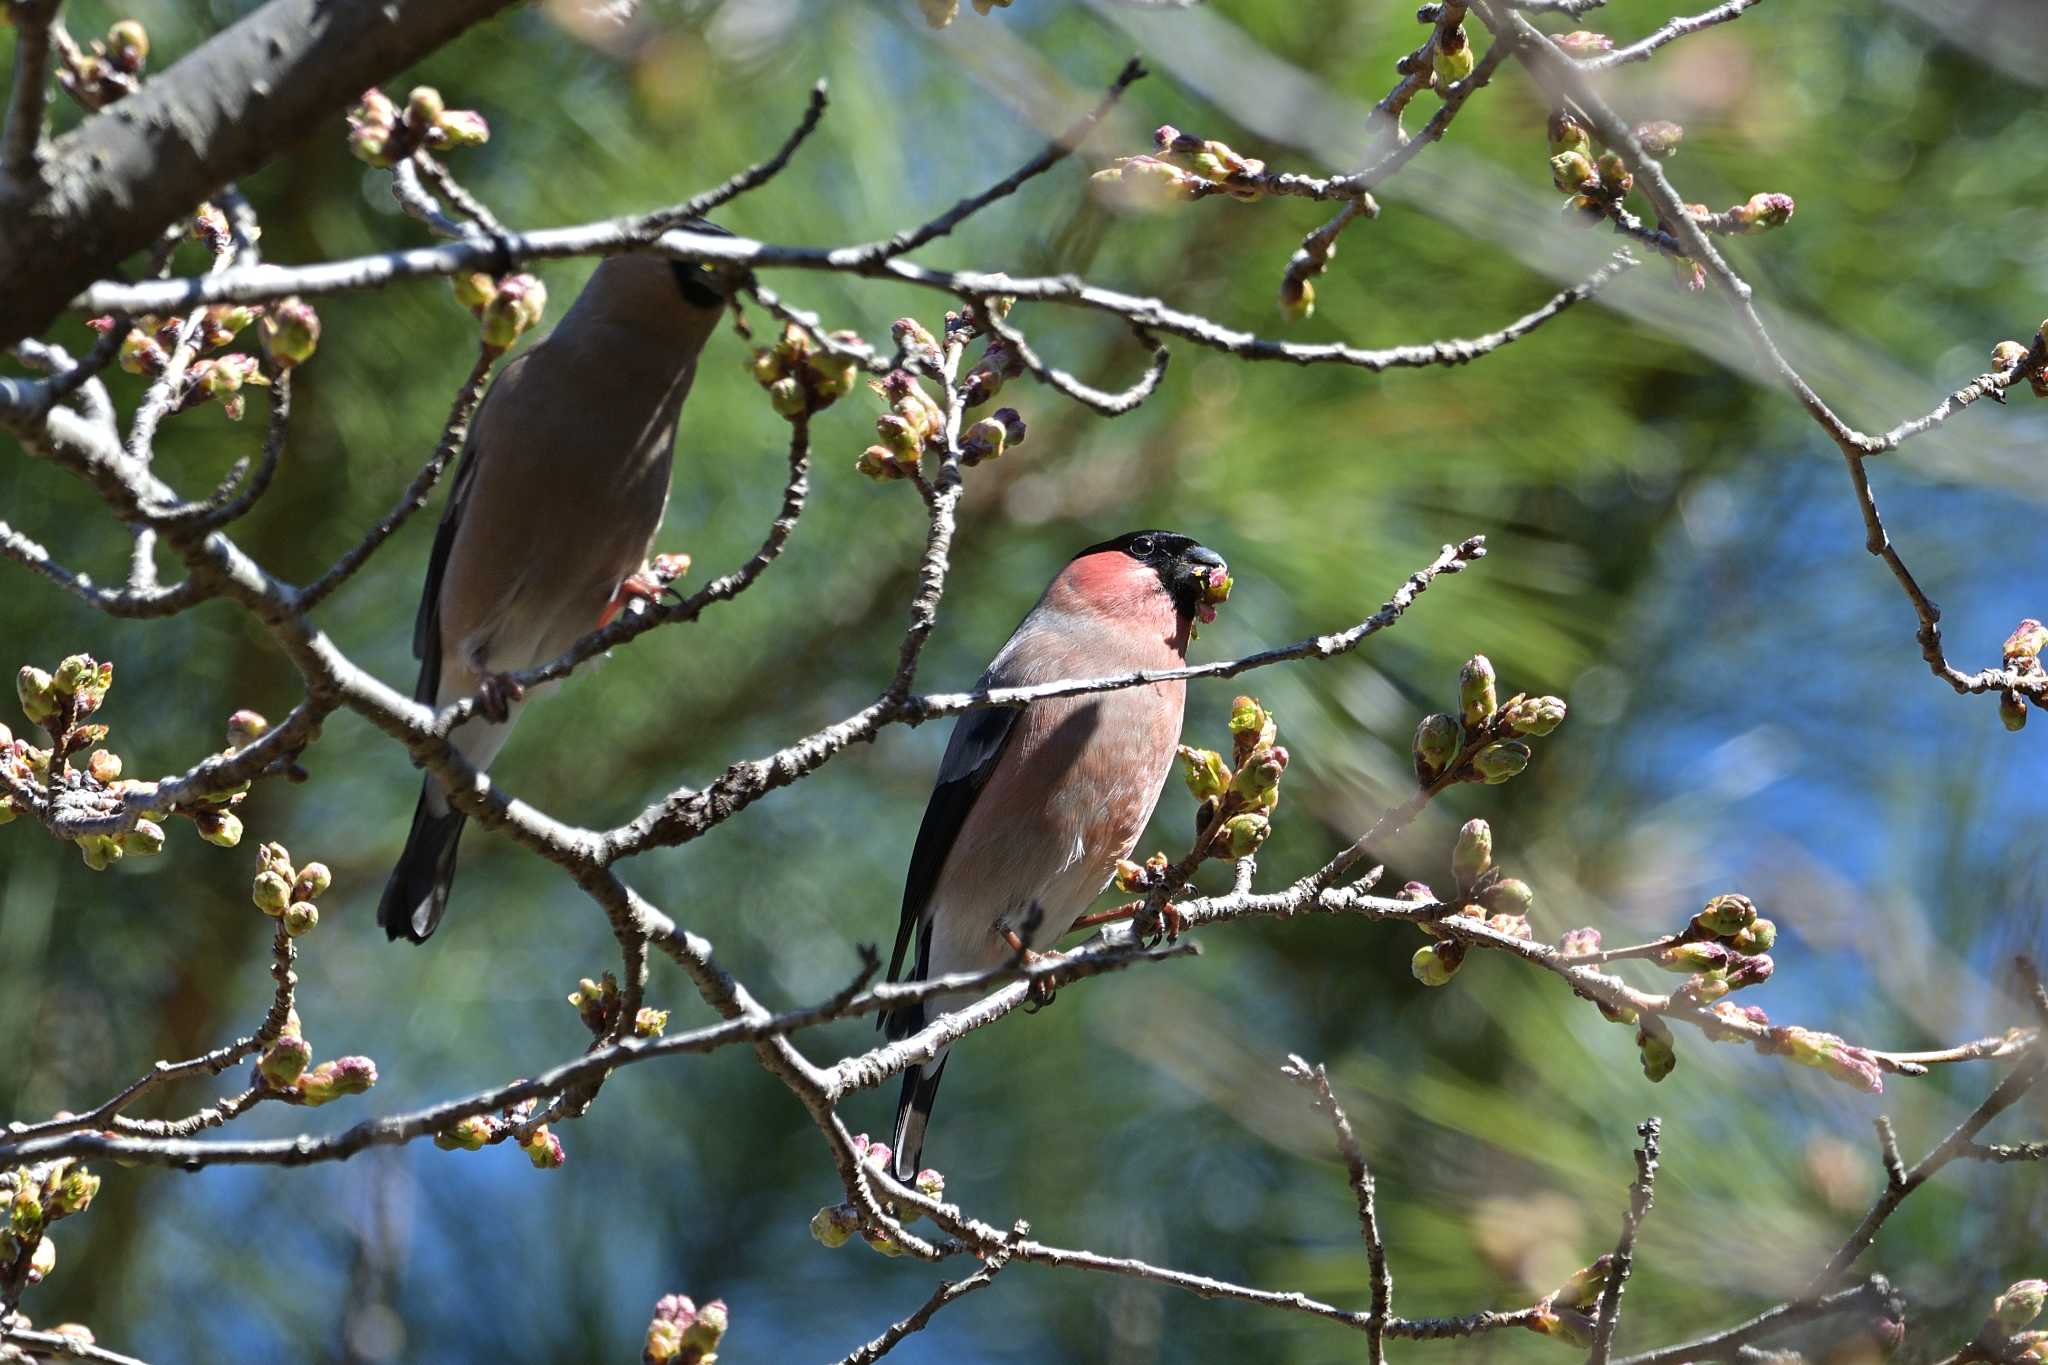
(562, 486)
(1034, 807)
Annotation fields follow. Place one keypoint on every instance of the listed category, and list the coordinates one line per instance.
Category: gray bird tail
(417, 895)
(913, 1112)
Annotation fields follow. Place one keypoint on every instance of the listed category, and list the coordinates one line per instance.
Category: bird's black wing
(426, 627)
(979, 738)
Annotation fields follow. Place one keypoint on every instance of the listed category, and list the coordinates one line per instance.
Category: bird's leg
(1041, 989)
(654, 578)
(495, 693)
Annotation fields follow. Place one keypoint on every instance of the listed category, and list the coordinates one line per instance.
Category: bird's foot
(495, 694)
(1040, 990)
(655, 577)
(1149, 929)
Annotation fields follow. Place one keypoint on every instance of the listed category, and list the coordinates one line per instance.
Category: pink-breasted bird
(562, 486)
(1034, 807)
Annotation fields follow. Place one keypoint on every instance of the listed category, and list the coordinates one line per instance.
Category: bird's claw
(1040, 991)
(1167, 924)
(654, 578)
(495, 695)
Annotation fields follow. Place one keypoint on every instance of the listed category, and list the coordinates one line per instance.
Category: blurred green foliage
(1673, 550)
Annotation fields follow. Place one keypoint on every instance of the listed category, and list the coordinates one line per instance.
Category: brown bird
(562, 486)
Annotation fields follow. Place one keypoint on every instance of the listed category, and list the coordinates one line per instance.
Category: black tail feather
(913, 1112)
(417, 895)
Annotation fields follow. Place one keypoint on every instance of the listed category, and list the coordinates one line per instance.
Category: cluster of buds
(382, 134)
(1566, 1313)
(32, 1198)
(939, 13)
(2022, 656)
(2007, 354)
(286, 893)
(1595, 181)
(61, 703)
(1484, 891)
(1760, 213)
(1486, 740)
(1236, 799)
(1186, 168)
(801, 376)
(913, 421)
(2004, 1335)
(505, 309)
(289, 331)
(108, 68)
(541, 1146)
(222, 377)
(331, 1080)
(285, 1068)
(836, 1224)
(599, 1003)
(1837, 1057)
(681, 1333)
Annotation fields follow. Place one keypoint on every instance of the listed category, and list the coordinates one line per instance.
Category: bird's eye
(1141, 548)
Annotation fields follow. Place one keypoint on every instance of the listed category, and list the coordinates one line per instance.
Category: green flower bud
(1762, 212)
(43, 1260)
(983, 441)
(1584, 44)
(1434, 964)
(1257, 782)
(284, 1061)
(38, 697)
(1436, 744)
(1508, 896)
(99, 851)
(1658, 1056)
(544, 1150)
(474, 289)
(141, 353)
(271, 892)
(342, 1076)
(1297, 298)
(1453, 57)
(1473, 854)
(787, 397)
(300, 917)
(1477, 699)
(1569, 171)
(25, 1210)
(1567, 134)
(912, 336)
(222, 828)
(1756, 938)
(1534, 715)
(834, 1225)
(1242, 835)
(1614, 174)
(1727, 915)
(313, 879)
(513, 310)
(423, 106)
(146, 840)
(74, 1194)
(460, 128)
(1203, 768)
(2026, 641)
(1251, 727)
(2007, 354)
(880, 464)
(1659, 139)
(2012, 710)
(1583, 1289)
(472, 1134)
(649, 1023)
(128, 45)
(2019, 1305)
(290, 333)
(104, 766)
(1496, 763)
(1693, 957)
(707, 1329)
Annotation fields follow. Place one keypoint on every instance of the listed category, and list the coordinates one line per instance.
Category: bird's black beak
(1201, 580)
(702, 285)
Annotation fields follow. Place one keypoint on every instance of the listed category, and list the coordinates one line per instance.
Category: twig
(947, 1292)
(1767, 1323)
(1317, 1080)
(1676, 28)
(1640, 1197)
(648, 226)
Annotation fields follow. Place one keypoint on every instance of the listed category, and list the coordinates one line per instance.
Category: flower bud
(880, 464)
(460, 128)
(245, 728)
(1657, 1054)
(1453, 57)
(1756, 938)
(1242, 835)
(2007, 354)
(313, 879)
(1417, 892)
(472, 1134)
(290, 332)
(544, 1150)
(2019, 1305)
(1496, 763)
(99, 851)
(1567, 134)
(1693, 957)
(144, 841)
(1257, 782)
(1477, 699)
(25, 1210)
(300, 917)
(1534, 715)
(1750, 971)
(221, 828)
(1473, 854)
(1434, 964)
(74, 1194)
(1251, 727)
(1615, 178)
(1569, 171)
(1583, 1289)
(342, 1076)
(707, 1329)
(128, 46)
(1514, 926)
(787, 397)
(983, 441)
(834, 1225)
(2012, 710)
(423, 106)
(1129, 877)
(513, 310)
(1584, 44)
(1297, 298)
(1762, 212)
(1508, 896)
(1659, 139)
(1436, 744)
(930, 1183)
(1205, 773)
(1579, 942)
(284, 1061)
(474, 289)
(649, 1023)
(1727, 915)
(2026, 641)
(104, 766)
(43, 1260)
(34, 689)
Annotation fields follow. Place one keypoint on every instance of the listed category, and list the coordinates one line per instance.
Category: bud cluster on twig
(1486, 741)
(1484, 892)
(600, 1003)
(2022, 647)
(105, 71)
(800, 375)
(32, 1198)
(836, 1224)
(915, 424)
(681, 1333)
(382, 134)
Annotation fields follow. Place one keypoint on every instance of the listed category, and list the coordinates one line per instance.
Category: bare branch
(1640, 1196)
(1317, 1081)
(947, 1292)
(1676, 28)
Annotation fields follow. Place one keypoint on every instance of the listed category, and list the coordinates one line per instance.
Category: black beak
(1190, 579)
(1203, 557)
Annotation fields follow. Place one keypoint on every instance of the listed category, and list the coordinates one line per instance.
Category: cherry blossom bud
(1257, 782)
(460, 128)
(2026, 641)
(313, 879)
(1762, 212)
(1251, 727)
(880, 464)
(2007, 354)
(1496, 763)
(1615, 178)
(300, 917)
(1584, 44)
(1756, 938)
(474, 289)
(1693, 957)
(1434, 964)
(1567, 134)
(1205, 773)
(1750, 971)
(1473, 854)
(1659, 139)
(1417, 892)
(2019, 1305)
(75, 1191)
(1297, 298)
(649, 1023)
(834, 1225)
(912, 336)
(290, 332)
(2012, 710)
(707, 1330)
(1534, 715)
(284, 1061)
(1242, 835)
(1579, 942)
(1453, 57)
(930, 1184)
(1514, 926)
(1655, 1050)
(145, 840)
(1477, 699)
(128, 46)
(1508, 896)
(983, 441)
(221, 828)
(1436, 744)
(544, 1150)
(1583, 1289)
(513, 310)
(342, 1076)
(104, 766)
(472, 1134)
(1569, 171)
(245, 728)
(1727, 915)
(43, 1260)
(787, 397)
